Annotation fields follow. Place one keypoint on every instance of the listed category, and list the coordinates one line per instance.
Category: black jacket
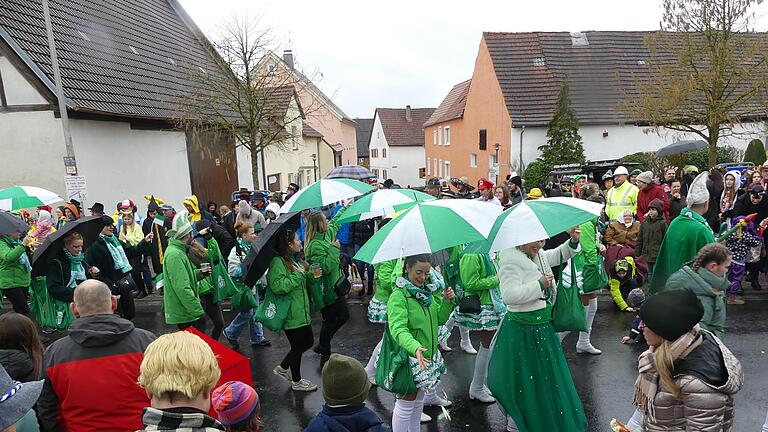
(19, 365)
(744, 207)
(228, 222)
(362, 231)
(57, 276)
(98, 255)
(705, 362)
(675, 205)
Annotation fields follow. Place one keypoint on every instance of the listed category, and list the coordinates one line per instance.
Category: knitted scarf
(647, 383)
(424, 296)
(117, 252)
(24, 258)
(43, 228)
(76, 271)
(245, 246)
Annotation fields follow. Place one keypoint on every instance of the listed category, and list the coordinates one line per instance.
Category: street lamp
(314, 164)
(496, 168)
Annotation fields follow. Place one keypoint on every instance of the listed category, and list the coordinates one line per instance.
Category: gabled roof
(364, 127)
(400, 131)
(602, 68)
(117, 57)
(452, 107)
(278, 99)
(309, 131)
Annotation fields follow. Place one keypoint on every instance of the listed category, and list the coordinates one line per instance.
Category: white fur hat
(697, 191)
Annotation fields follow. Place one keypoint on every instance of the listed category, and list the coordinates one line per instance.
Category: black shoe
(140, 295)
(262, 343)
(233, 343)
(135, 293)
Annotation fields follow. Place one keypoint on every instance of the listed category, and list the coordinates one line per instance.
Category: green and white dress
(479, 278)
(385, 277)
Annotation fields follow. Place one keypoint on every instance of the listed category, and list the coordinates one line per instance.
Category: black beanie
(671, 314)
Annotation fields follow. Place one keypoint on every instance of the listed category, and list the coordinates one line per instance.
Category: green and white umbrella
(429, 227)
(24, 197)
(325, 192)
(382, 203)
(534, 220)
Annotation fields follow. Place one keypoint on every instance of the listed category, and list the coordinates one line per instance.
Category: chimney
(408, 113)
(288, 58)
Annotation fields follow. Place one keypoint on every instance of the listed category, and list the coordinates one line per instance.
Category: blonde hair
(178, 365)
(316, 223)
(665, 365)
(713, 252)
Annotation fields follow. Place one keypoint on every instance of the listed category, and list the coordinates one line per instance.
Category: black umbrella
(681, 147)
(263, 249)
(89, 227)
(10, 223)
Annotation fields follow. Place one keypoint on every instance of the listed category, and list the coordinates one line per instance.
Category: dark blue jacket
(356, 418)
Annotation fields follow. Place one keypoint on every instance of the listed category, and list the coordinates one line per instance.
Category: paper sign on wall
(76, 188)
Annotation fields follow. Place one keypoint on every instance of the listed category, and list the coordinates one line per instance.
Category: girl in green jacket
(287, 275)
(16, 269)
(377, 308)
(415, 312)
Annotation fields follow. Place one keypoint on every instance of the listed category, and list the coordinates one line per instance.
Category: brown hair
(242, 228)
(713, 252)
(251, 424)
(505, 193)
(71, 237)
(19, 332)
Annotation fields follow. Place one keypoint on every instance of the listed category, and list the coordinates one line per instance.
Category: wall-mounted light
(605, 133)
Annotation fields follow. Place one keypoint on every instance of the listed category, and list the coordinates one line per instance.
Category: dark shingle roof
(602, 74)
(132, 58)
(309, 131)
(401, 132)
(364, 127)
(452, 107)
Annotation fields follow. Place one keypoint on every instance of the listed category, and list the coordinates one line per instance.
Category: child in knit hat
(651, 234)
(238, 407)
(345, 387)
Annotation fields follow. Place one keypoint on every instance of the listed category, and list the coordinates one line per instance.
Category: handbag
(470, 304)
(393, 369)
(224, 286)
(124, 285)
(568, 311)
(243, 299)
(49, 312)
(594, 276)
(273, 311)
(342, 286)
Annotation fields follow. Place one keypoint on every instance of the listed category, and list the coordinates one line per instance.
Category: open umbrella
(353, 172)
(23, 197)
(383, 202)
(681, 147)
(534, 220)
(89, 227)
(263, 249)
(429, 227)
(324, 192)
(10, 223)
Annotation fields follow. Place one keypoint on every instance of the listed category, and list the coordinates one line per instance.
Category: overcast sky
(397, 53)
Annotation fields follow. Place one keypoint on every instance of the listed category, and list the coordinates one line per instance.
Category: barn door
(212, 166)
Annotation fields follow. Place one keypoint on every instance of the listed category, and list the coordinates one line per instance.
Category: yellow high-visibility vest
(621, 198)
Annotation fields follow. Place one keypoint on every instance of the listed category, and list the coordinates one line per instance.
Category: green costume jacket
(321, 250)
(476, 279)
(386, 273)
(710, 290)
(181, 298)
(285, 281)
(12, 273)
(688, 233)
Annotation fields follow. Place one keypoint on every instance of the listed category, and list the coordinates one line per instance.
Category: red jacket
(90, 377)
(644, 198)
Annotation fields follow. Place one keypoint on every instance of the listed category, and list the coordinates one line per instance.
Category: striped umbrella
(24, 197)
(325, 192)
(428, 227)
(353, 172)
(383, 202)
(534, 220)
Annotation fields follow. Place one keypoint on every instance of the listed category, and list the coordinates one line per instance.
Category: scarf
(718, 284)
(76, 271)
(245, 246)
(131, 234)
(24, 258)
(43, 228)
(117, 252)
(159, 420)
(424, 296)
(647, 383)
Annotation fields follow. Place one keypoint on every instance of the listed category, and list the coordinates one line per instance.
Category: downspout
(522, 167)
(317, 150)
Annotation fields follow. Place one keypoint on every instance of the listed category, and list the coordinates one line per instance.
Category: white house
(396, 146)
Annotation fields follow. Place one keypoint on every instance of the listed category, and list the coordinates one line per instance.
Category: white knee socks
(480, 375)
(765, 426)
(465, 341)
(591, 311)
(511, 425)
(370, 368)
(406, 417)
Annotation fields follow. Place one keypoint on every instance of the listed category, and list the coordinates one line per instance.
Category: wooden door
(212, 167)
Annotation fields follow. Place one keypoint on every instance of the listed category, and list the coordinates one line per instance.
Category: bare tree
(250, 97)
(707, 70)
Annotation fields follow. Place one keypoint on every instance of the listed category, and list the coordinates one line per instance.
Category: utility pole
(70, 162)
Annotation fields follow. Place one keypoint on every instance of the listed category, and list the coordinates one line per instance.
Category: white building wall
(405, 164)
(379, 142)
(244, 174)
(18, 91)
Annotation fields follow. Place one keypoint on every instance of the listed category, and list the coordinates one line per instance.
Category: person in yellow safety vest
(622, 196)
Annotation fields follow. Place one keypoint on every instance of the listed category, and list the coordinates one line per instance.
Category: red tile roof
(452, 107)
(398, 130)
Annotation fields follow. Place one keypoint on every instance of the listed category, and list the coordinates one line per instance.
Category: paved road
(604, 382)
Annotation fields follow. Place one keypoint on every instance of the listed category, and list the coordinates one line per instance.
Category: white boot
(562, 335)
(418, 410)
(511, 425)
(477, 389)
(370, 368)
(401, 415)
(425, 418)
(466, 342)
(447, 329)
(584, 345)
(432, 399)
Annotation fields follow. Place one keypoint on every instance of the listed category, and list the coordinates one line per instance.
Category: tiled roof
(364, 127)
(117, 57)
(398, 130)
(309, 131)
(452, 107)
(602, 74)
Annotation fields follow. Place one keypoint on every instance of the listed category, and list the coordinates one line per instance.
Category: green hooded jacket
(686, 235)
(285, 281)
(711, 291)
(475, 278)
(321, 250)
(181, 301)
(13, 274)
(386, 274)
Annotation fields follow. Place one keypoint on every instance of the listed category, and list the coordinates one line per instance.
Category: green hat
(690, 169)
(345, 382)
(181, 226)
(257, 227)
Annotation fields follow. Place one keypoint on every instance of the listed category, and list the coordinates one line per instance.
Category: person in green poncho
(323, 250)
(16, 269)
(686, 235)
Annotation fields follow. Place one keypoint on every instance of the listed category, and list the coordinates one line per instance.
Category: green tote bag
(568, 311)
(393, 370)
(273, 311)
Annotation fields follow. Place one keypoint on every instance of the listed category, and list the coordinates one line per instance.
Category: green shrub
(755, 152)
(536, 174)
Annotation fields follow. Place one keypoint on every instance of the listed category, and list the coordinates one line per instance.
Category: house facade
(364, 127)
(396, 146)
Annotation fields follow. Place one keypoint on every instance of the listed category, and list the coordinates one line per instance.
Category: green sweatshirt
(12, 273)
(285, 281)
(181, 301)
(321, 250)
(475, 278)
(386, 273)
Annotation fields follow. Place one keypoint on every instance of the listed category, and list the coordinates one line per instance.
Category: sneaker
(233, 343)
(587, 348)
(444, 347)
(262, 343)
(437, 401)
(425, 418)
(735, 300)
(283, 373)
(468, 348)
(482, 395)
(303, 385)
(372, 380)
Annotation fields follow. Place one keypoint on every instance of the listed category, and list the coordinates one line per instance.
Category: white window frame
(447, 133)
(440, 168)
(384, 152)
(384, 174)
(434, 136)
(473, 160)
(440, 135)
(429, 167)
(308, 175)
(447, 169)
(294, 137)
(434, 166)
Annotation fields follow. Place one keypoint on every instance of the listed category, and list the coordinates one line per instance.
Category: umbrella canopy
(23, 197)
(89, 227)
(353, 172)
(325, 192)
(534, 220)
(262, 250)
(429, 227)
(681, 147)
(383, 202)
(10, 223)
